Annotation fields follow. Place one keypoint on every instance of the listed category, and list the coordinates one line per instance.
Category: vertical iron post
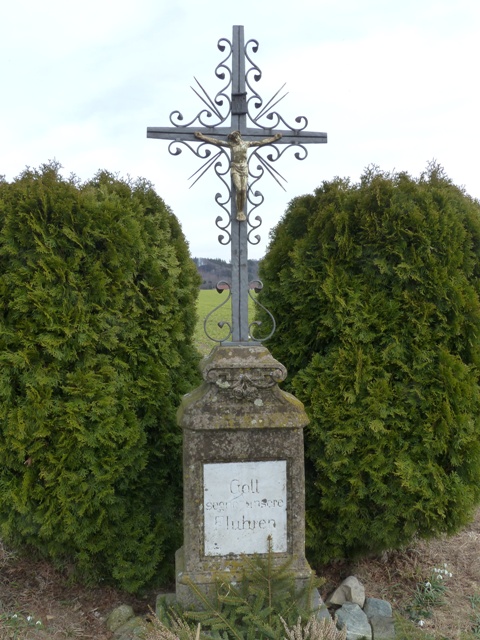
(239, 244)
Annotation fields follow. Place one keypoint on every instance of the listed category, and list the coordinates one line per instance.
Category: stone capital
(240, 391)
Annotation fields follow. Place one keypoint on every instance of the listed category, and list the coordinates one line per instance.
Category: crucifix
(239, 103)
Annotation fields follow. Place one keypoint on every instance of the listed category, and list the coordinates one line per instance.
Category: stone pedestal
(243, 470)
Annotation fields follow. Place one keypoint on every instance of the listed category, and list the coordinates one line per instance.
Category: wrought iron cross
(243, 105)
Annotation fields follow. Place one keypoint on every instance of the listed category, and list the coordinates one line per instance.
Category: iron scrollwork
(237, 117)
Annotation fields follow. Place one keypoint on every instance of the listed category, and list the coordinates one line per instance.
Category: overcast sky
(393, 83)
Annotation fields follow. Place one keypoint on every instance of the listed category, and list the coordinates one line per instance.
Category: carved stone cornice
(245, 381)
(240, 391)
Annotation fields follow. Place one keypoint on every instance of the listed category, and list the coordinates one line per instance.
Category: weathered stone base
(205, 581)
(243, 472)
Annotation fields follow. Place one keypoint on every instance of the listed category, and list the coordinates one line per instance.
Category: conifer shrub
(97, 294)
(375, 288)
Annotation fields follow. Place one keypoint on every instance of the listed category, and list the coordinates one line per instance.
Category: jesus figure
(238, 165)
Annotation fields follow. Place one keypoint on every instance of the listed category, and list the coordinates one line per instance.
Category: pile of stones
(369, 618)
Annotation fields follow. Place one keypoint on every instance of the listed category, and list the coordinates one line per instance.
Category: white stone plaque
(244, 503)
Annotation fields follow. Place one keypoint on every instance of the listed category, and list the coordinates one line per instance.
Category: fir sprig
(251, 608)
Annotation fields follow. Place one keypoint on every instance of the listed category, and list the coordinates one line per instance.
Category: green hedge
(97, 295)
(375, 287)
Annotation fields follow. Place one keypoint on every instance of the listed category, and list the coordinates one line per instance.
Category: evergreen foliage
(375, 288)
(257, 608)
(97, 294)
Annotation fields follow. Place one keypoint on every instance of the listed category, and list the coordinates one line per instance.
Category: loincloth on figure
(241, 169)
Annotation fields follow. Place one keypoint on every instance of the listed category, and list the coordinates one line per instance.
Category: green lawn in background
(208, 299)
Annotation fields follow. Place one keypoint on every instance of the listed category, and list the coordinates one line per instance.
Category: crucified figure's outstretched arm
(260, 143)
(239, 163)
(215, 141)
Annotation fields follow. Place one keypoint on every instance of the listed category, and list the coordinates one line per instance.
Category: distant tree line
(212, 270)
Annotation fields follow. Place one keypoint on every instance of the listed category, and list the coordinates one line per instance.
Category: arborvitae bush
(375, 288)
(97, 294)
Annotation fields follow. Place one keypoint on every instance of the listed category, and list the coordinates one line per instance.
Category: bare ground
(35, 589)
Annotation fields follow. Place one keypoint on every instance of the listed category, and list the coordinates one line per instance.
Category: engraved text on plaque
(244, 503)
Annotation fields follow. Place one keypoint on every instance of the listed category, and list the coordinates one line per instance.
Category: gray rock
(322, 612)
(318, 606)
(338, 597)
(377, 607)
(119, 617)
(383, 627)
(351, 590)
(351, 616)
(133, 629)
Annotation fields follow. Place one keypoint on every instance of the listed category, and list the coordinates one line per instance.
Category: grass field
(208, 300)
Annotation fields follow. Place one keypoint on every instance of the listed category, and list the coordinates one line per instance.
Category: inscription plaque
(244, 503)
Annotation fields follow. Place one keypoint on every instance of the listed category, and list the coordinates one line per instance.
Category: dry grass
(34, 588)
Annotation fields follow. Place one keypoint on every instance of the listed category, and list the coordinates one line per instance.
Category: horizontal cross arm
(288, 136)
(187, 133)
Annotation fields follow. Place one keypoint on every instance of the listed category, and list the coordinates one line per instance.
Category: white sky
(395, 84)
